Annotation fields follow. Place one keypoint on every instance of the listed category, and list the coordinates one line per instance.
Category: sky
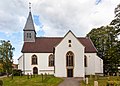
(53, 18)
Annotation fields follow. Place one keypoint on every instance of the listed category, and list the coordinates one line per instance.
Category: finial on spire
(30, 6)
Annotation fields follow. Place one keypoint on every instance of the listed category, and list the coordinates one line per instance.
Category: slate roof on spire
(29, 26)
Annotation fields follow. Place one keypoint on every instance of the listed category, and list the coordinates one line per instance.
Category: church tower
(29, 29)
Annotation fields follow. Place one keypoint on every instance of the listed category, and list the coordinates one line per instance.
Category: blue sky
(53, 18)
(16, 41)
(98, 2)
(16, 38)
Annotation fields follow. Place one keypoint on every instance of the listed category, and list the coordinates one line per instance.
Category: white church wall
(60, 57)
(94, 64)
(42, 65)
(99, 65)
(20, 63)
(90, 69)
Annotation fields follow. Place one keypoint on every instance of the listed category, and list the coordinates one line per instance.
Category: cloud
(12, 15)
(57, 16)
(80, 16)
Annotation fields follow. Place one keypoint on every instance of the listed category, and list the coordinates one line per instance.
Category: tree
(1, 68)
(6, 54)
(105, 40)
(116, 24)
(116, 21)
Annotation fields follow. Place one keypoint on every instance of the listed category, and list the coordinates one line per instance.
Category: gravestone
(117, 74)
(108, 74)
(86, 80)
(95, 83)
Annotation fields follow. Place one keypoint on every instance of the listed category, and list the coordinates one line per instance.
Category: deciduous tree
(6, 54)
(105, 40)
(116, 21)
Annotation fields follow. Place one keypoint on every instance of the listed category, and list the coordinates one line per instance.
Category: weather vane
(30, 6)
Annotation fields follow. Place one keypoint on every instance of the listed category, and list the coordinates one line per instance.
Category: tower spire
(29, 29)
(29, 6)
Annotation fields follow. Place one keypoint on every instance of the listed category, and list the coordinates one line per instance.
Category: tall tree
(116, 24)
(6, 54)
(105, 40)
(116, 21)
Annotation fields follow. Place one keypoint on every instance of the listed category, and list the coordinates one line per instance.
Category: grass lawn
(34, 81)
(102, 81)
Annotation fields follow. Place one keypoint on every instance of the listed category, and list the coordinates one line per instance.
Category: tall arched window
(85, 61)
(51, 60)
(34, 60)
(69, 59)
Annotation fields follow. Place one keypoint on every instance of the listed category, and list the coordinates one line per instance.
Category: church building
(67, 56)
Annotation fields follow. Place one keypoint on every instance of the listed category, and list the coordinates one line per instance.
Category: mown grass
(102, 81)
(34, 81)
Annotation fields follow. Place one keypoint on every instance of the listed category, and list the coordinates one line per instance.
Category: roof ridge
(83, 37)
(48, 37)
(62, 37)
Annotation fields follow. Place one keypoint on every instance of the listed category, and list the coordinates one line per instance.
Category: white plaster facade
(20, 62)
(42, 63)
(94, 63)
(43, 47)
(60, 57)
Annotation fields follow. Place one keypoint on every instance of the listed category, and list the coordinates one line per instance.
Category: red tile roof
(46, 45)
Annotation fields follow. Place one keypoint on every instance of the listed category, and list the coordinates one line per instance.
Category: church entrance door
(35, 70)
(69, 72)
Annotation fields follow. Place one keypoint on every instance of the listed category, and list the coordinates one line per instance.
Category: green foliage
(6, 54)
(105, 40)
(17, 72)
(116, 21)
(113, 83)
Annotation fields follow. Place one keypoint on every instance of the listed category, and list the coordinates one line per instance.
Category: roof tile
(46, 45)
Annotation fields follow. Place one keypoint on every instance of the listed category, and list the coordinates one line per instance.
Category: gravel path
(3, 76)
(71, 82)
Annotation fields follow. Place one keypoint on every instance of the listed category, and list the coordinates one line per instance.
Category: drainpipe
(54, 58)
(23, 63)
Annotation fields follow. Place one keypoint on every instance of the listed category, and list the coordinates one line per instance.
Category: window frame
(34, 60)
(85, 61)
(51, 60)
(70, 59)
(29, 35)
(69, 41)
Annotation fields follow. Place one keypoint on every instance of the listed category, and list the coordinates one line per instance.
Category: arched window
(51, 60)
(34, 60)
(35, 70)
(69, 59)
(85, 61)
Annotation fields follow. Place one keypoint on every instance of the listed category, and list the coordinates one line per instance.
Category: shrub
(17, 72)
(113, 83)
(2, 74)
